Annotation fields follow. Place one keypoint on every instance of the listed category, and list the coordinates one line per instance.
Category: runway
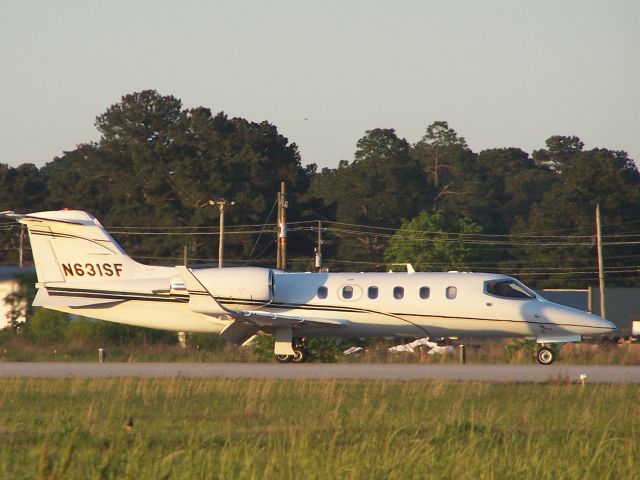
(353, 371)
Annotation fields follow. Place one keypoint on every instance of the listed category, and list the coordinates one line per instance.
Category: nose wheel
(545, 356)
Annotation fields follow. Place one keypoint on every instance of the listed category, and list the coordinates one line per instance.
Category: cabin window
(347, 292)
(322, 292)
(508, 289)
(373, 293)
(452, 292)
(424, 292)
(398, 293)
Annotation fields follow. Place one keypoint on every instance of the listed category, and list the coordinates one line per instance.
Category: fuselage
(366, 304)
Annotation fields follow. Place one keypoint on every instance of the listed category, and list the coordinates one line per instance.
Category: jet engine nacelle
(244, 283)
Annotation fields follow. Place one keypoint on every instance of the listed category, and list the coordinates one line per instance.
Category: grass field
(199, 428)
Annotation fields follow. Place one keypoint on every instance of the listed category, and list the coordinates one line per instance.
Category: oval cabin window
(373, 293)
(424, 292)
(398, 293)
(347, 292)
(452, 292)
(322, 292)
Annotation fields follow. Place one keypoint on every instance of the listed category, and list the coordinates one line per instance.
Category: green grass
(221, 428)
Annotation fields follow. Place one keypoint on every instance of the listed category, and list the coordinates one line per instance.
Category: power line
(215, 233)
(488, 243)
(263, 228)
(482, 235)
(209, 227)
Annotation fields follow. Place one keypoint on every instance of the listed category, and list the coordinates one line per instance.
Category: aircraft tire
(283, 358)
(300, 355)
(545, 356)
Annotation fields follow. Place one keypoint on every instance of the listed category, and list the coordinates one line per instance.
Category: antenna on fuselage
(408, 266)
(318, 249)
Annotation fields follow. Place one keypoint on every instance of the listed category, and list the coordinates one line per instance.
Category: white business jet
(82, 270)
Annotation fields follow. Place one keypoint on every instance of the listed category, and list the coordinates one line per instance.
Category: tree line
(435, 203)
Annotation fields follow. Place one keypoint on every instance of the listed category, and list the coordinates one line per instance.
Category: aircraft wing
(246, 323)
(269, 319)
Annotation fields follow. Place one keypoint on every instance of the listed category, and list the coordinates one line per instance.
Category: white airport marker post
(102, 353)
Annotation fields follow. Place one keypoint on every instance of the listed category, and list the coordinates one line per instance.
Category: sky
(502, 73)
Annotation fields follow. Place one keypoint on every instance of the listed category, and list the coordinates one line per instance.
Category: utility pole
(318, 262)
(603, 311)
(182, 336)
(279, 215)
(281, 255)
(221, 242)
(221, 205)
(21, 248)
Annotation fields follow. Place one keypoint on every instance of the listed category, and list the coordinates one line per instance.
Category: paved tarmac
(354, 371)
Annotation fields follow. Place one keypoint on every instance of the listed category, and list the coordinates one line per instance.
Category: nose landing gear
(545, 356)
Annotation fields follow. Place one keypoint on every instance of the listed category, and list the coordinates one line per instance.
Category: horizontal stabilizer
(43, 299)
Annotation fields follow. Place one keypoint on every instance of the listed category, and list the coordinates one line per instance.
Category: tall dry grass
(223, 428)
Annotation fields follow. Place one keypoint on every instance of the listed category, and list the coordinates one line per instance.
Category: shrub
(47, 326)
(206, 341)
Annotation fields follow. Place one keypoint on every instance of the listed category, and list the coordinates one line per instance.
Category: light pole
(221, 204)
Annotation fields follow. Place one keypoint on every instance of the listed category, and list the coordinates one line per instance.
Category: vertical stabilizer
(71, 245)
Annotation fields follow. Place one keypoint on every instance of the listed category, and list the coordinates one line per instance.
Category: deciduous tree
(433, 241)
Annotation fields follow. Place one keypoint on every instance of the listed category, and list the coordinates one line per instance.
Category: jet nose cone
(603, 325)
(580, 321)
(608, 324)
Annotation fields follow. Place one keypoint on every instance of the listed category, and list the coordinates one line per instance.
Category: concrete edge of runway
(338, 371)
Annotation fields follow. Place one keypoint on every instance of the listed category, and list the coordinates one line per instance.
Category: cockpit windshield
(508, 289)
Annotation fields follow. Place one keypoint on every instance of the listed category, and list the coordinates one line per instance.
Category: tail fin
(71, 245)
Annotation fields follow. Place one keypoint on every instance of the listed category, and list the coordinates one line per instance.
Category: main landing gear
(300, 352)
(545, 356)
